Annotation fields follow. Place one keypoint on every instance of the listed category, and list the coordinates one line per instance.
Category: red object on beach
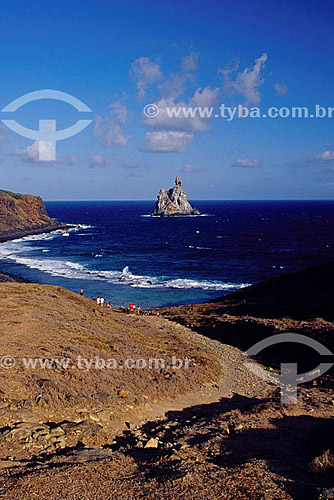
(131, 306)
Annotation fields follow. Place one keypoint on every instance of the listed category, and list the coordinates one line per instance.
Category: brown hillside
(22, 214)
(48, 322)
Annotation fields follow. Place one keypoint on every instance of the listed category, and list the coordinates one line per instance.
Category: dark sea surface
(118, 251)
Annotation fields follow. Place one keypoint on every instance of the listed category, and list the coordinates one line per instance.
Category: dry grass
(52, 322)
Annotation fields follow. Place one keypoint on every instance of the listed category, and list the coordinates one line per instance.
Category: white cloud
(190, 62)
(207, 97)
(280, 88)
(109, 128)
(98, 160)
(167, 141)
(246, 162)
(145, 72)
(174, 84)
(324, 157)
(70, 160)
(246, 82)
(187, 168)
(175, 132)
(32, 153)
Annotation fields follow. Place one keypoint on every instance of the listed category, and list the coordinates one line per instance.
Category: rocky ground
(240, 447)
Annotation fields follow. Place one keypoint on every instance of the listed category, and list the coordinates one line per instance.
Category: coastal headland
(23, 215)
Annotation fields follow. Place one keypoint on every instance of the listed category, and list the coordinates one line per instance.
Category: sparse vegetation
(16, 196)
(19, 219)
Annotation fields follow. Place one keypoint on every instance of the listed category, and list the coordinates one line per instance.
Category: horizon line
(193, 200)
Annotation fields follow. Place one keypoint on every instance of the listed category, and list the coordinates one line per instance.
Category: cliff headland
(22, 215)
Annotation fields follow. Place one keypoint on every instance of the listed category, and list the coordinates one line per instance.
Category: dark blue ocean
(118, 251)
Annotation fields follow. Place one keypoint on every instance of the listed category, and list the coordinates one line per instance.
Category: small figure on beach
(81, 291)
(102, 301)
(131, 306)
(109, 305)
(138, 309)
(98, 300)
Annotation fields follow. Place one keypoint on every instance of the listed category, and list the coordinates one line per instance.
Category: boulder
(152, 443)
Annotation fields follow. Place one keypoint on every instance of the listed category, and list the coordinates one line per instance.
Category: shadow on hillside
(301, 295)
(242, 438)
(288, 444)
(243, 333)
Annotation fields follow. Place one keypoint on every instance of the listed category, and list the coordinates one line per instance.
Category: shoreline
(11, 278)
(21, 233)
(14, 235)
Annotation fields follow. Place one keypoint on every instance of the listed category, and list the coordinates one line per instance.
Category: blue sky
(118, 57)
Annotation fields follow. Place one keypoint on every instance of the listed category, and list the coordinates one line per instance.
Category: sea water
(116, 250)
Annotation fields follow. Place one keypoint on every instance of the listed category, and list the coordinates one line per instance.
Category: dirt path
(237, 379)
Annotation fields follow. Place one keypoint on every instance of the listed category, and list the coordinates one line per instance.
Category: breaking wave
(16, 251)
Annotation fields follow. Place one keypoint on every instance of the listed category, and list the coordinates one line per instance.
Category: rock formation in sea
(23, 214)
(173, 202)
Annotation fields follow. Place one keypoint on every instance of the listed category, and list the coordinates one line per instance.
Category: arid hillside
(87, 383)
(23, 214)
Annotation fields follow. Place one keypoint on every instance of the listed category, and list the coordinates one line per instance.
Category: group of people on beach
(133, 308)
(101, 302)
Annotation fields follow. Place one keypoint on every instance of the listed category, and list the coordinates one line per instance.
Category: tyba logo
(289, 379)
(47, 135)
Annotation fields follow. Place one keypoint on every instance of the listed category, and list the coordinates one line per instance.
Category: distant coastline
(21, 233)
(23, 215)
(11, 278)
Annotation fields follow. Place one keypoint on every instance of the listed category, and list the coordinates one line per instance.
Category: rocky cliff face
(23, 214)
(174, 202)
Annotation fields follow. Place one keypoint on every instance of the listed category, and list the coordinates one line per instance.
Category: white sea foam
(49, 235)
(17, 250)
(74, 270)
(200, 248)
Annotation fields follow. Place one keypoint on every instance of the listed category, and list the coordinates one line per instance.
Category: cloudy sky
(118, 57)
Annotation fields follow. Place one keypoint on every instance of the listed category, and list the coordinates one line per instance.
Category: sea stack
(174, 202)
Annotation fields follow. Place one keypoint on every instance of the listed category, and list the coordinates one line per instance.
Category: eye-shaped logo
(289, 378)
(47, 135)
